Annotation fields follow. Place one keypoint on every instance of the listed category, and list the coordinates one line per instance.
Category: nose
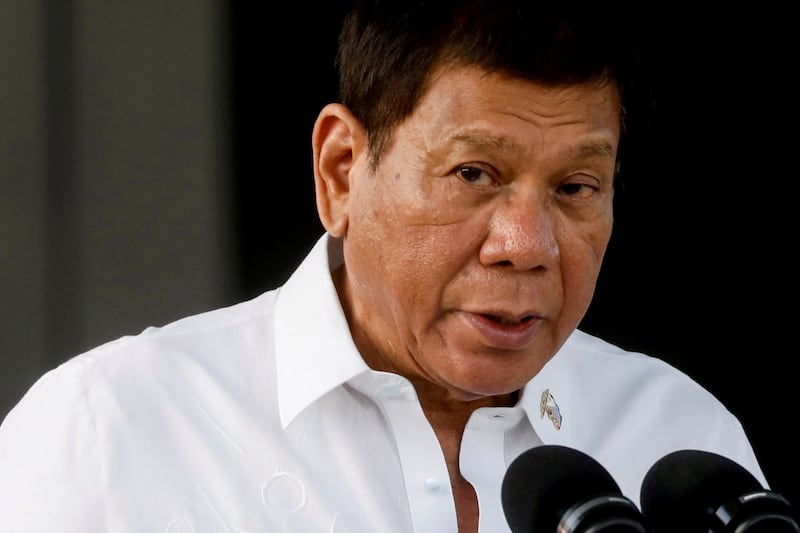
(522, 235)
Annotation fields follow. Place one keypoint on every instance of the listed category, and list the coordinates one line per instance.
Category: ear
(338, 141)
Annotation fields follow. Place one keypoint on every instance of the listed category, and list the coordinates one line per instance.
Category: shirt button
(432, 485)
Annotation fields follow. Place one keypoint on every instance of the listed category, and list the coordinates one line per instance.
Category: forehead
(470, 86)
(470, 105)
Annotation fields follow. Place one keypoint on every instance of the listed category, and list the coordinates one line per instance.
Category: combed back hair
(388, 50)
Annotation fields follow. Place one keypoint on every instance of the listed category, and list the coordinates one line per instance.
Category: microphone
(556, 489)
(696, 491)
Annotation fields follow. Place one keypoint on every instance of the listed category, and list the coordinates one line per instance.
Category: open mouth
(505, 331)
(505, 321)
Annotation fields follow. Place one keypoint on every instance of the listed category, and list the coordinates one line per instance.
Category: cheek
(413, 222)
(392, 256)
(406, 269)
(581, 264)
(408, 237)
(425, 259)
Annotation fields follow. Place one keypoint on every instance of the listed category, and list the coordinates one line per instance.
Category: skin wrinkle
(453, 234)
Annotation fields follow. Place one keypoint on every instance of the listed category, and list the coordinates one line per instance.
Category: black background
(700, 270)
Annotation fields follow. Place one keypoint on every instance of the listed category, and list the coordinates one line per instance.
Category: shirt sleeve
(51, 469)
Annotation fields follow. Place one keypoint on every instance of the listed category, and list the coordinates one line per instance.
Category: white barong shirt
(263, 418)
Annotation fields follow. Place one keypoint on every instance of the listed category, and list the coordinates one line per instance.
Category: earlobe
(337, 141)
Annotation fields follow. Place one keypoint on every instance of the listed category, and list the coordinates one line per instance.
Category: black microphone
(690, 491)
(556, 489)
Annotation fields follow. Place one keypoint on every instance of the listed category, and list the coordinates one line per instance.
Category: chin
(484, 387)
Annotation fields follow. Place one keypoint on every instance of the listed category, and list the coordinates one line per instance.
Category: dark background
(155, 161)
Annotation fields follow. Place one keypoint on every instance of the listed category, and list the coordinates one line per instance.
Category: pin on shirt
(548, 406)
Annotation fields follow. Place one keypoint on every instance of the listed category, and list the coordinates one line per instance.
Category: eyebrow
(477, 138)
(591, 148)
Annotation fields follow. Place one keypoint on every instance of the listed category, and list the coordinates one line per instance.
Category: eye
(474, 176)
(578, 190)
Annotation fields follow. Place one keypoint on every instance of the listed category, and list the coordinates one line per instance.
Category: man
(466, 185)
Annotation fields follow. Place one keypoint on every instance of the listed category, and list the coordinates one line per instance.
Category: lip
(503, 336)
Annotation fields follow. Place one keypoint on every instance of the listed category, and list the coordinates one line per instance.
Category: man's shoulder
(591, 353)
(636, 383)
(629, 408)
(216, 344)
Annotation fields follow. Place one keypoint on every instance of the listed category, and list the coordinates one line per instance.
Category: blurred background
(155, 162)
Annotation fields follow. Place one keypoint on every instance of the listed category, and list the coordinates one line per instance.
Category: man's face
(473, 250)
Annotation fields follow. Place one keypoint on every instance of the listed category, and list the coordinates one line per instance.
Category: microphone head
(698, 491)
(544, 482)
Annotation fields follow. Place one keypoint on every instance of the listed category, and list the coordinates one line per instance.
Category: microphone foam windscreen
(542, 483)
(683, 487)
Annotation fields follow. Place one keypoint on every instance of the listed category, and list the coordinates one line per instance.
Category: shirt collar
(314, 351)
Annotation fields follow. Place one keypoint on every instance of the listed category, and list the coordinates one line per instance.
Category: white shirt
(262, 417)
